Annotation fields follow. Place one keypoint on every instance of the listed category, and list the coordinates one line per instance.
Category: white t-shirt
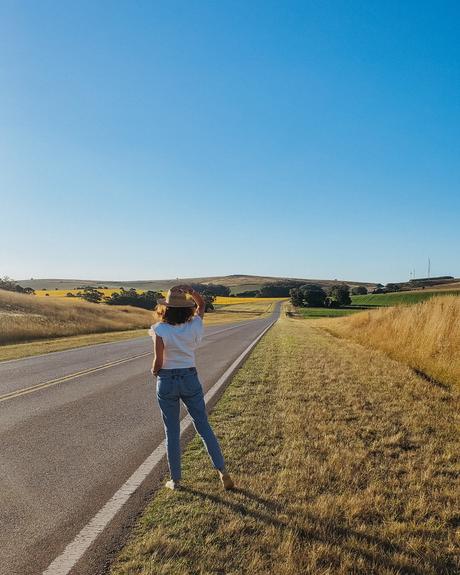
(180, 342)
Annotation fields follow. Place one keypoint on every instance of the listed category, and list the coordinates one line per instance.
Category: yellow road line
(52, 382)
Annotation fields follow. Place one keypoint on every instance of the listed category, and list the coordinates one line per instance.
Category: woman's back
(180, 342)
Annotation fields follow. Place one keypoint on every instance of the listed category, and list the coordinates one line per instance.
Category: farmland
(219, 301)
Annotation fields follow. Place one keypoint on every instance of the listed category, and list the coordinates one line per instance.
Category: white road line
(75, 550)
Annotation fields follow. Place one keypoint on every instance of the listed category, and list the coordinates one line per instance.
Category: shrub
(91, 295)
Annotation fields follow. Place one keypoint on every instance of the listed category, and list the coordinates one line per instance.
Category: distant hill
(237, 282)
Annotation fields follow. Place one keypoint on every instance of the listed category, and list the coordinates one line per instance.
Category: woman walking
(175, 336)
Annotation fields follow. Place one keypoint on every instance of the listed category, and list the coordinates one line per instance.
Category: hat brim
(186, 303)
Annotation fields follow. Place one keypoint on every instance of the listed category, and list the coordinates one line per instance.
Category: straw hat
(176, 299)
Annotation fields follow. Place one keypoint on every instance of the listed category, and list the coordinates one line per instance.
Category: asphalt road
(69, 439)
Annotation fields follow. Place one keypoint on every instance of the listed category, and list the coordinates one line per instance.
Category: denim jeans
(183, 384)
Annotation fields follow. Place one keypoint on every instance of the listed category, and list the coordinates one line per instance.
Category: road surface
(74, 425)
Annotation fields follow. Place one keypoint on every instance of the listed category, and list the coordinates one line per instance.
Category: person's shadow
(381, 560)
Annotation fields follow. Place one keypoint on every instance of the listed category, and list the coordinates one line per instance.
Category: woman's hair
(173, 315)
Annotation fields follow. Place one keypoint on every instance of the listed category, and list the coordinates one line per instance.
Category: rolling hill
(237, 283)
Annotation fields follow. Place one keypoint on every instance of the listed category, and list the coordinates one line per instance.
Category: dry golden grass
(346, 463)
(26, 318)
(426, 335)
(31, 325)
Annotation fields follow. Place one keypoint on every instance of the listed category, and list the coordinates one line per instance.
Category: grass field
(27, 318)
(397, 298)
(425, 335)
(319, 312)
(345, 461)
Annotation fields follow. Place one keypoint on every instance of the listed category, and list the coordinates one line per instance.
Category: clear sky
(144, 139)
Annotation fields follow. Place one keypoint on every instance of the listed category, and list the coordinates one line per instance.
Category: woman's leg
(170, 410)
(192, 396)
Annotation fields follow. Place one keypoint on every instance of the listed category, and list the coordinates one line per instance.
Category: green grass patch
(398, 298)
(316, 312)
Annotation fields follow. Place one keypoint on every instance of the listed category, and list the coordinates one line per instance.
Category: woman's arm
(158, 351)
(197, 298)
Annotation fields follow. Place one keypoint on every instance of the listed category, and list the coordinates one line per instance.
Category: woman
(175, 337)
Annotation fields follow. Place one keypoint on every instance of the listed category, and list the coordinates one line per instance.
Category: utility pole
(429, 267)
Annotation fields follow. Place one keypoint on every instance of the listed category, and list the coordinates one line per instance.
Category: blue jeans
(172, 386)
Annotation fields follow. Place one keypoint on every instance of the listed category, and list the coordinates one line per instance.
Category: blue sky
(162, 139)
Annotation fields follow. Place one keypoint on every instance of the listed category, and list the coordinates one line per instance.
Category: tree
(278, 289)
(308, 295)
(296, 297)
(91, 295)
(9, 284)
(69, 294)
(209, 301)
(313, 295)
(339, 295)
(393, 287)
(359, 290)
(144, 300)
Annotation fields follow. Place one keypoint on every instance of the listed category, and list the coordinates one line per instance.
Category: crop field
(62, 293)
(219, 301)
(397, 298)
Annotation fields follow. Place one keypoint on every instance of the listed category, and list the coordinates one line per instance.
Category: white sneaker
(171, 484)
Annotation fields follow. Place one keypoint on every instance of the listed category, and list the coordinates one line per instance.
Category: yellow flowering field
(64, 292)
(220, 300)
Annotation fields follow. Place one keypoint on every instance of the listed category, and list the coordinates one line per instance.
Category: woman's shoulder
(158, 328)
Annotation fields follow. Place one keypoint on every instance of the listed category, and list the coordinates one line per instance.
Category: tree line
(147, 299)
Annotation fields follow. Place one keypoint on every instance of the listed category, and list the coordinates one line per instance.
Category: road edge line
(75, 550)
